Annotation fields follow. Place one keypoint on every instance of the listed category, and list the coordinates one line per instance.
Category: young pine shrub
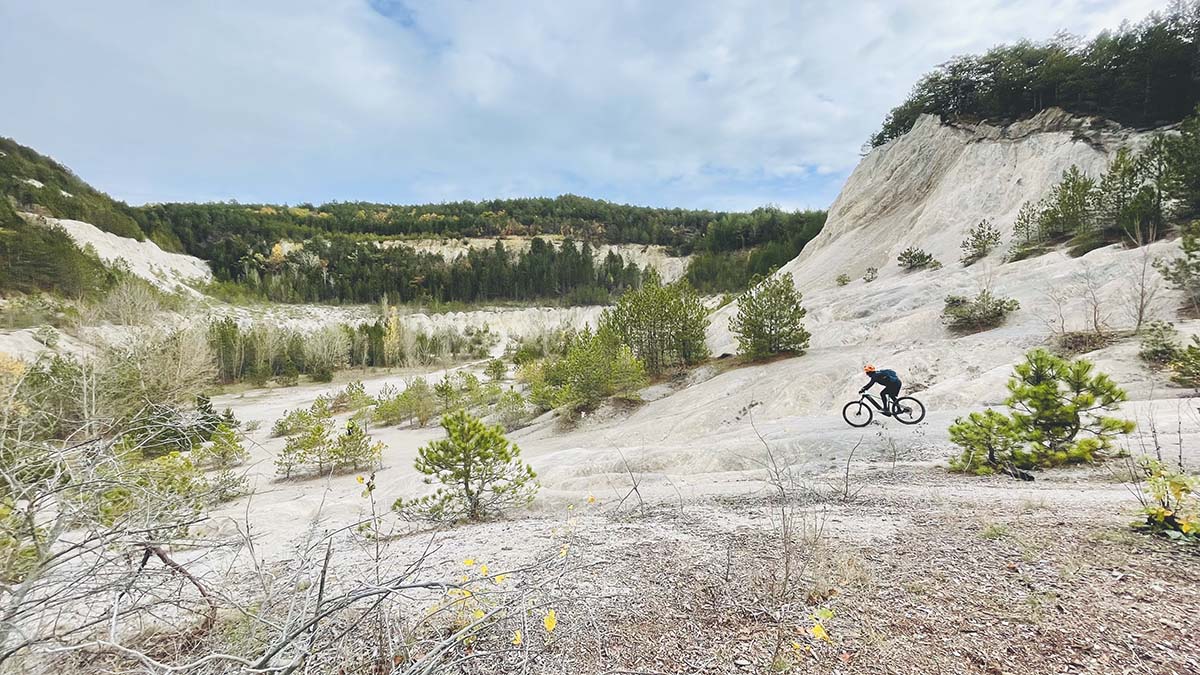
(973, 315)
(495, 370)
(291, 422)
(913, 258)
(511, 409)
(980, 241)
(224, 453)
(352, 397)
(1183, 273)
(355, 451)
(769, 320)
(479, 473)
(1058, 414)
(1159, 347)
(843, 279)
(224, 450)
(598, 366)
(307, 445)
(871, 274)
(1185, 366)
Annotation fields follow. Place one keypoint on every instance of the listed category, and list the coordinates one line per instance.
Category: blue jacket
(887, 378)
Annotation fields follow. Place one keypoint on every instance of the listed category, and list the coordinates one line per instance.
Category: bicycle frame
(878, 405)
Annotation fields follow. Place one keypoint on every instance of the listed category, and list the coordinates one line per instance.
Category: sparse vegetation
(496, 370)
(1185, 366)
(983, 312)
(479, 473)
(913, 258)
(1184, 272)
(843, 279)
(1160, 346)
(981, 240)
(871, 274)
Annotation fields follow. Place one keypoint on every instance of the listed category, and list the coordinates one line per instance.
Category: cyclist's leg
(889, 396)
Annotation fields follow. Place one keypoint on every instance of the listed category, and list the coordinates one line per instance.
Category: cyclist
(890, 382)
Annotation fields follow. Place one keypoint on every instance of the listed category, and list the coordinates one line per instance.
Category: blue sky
(722, 105)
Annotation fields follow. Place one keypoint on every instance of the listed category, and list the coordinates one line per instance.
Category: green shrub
(1057, 415)
(1158, 344)
(980, 241)
(1185, 366)
(307, 444)
(1184, 272)
(291, 422)
(351, 398)
(988, 440)
(843, 279)
(511, 409)
(913, 258)
(1170, 501)
(769, 320)
(597, 367)
(972, 315)
(224, 450)
(496, 370)
(354, 450)
(415, 404)
(479, 472)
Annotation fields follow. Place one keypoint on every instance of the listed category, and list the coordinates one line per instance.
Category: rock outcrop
(930, 186)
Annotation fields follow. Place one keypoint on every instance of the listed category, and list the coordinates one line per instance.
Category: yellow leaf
(818, 631)
(499, 578)
(478, 614)
(483, 570)
(563, 552)
(550, 621)
(517, 637)
(360, 480)
(469, 562)
(464, 579)
(570, 507)
(591, 499)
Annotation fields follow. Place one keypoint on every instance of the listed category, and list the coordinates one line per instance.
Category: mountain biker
(890, 382)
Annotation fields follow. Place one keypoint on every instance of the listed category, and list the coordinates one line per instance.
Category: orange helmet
(868, 368)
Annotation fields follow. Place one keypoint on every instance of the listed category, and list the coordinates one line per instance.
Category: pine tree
(479, 471)
(769, 319)
(354, 450)
(1058, 414)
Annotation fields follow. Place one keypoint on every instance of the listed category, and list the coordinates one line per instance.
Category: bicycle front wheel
(909, 410)
(857, 414)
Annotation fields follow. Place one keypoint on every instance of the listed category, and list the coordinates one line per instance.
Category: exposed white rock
(166, 270)
(927, 189)
(34, 182)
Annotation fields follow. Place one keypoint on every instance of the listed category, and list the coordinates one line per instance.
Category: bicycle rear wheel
(909, 410)
(857, 414)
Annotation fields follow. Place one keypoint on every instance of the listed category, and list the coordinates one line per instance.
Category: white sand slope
(168, 271)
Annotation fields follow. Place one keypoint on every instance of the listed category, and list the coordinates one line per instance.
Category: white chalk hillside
(927, 189)
(168, 271)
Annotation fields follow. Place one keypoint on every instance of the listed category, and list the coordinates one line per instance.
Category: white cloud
(716, 104)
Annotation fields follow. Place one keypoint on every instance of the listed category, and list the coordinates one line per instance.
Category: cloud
(704, 104)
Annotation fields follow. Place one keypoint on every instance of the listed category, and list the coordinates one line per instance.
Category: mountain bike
(908, 410)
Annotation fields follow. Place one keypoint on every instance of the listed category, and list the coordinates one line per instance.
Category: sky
(721, 105)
